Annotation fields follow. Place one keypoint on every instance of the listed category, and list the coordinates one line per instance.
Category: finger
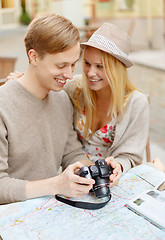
(17, 73)
(114, 178)
(84, 188)
(11, 76)
(76, 165)
(117, 169)
(109, 160)
(82, 180)
(115, 165)
(79, 190)
(112, 162)
(12, 73)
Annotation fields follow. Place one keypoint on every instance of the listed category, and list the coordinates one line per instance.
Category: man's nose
(68, 73)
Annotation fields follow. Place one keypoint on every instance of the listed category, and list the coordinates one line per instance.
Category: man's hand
(71, 184)
(67, 183)
(117, 170)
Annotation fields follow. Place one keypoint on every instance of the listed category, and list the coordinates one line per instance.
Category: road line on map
(145, 180)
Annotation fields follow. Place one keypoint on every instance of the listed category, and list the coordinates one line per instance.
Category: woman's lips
(95, 80)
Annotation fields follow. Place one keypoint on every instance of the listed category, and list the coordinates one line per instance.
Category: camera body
(100, 172)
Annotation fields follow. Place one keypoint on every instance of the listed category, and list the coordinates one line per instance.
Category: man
(36, 132)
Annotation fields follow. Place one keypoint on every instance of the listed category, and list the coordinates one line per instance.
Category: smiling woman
(93, 67)
(111, 115)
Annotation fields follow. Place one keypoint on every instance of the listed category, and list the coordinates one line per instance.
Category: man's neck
(30, 82)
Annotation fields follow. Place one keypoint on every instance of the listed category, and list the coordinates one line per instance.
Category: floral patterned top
(97, 146)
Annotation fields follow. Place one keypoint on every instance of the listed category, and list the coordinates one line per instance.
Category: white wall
(71, 9)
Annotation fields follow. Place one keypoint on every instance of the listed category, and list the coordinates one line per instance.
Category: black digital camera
(100, 172)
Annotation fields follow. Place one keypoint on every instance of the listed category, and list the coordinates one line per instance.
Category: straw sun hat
(111, 39)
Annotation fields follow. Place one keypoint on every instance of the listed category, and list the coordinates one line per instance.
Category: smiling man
(36, 132)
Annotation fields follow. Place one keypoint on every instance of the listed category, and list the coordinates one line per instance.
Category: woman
(111, 115)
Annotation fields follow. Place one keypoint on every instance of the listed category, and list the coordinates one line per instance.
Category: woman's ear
(32, 56)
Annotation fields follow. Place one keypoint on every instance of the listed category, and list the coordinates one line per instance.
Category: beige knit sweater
(36, 137)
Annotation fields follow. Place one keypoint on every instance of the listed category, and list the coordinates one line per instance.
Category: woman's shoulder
(138, 102)
(140, 97)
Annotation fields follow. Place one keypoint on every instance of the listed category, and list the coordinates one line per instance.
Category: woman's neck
(103, 96)
(101, 117)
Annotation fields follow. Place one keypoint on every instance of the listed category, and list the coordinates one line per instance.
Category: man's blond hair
(50, 34)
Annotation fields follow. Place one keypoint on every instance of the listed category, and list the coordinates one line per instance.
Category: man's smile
(61, 81)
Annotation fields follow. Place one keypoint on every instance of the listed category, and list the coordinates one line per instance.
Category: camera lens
(101, 187)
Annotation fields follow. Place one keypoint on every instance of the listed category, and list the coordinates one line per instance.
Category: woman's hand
(117, 170)
(14, 75)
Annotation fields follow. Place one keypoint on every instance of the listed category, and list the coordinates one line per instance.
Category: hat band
(108, 44)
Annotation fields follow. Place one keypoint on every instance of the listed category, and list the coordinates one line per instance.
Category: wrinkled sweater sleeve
(132, 133)
(60, 146)
(11, 189)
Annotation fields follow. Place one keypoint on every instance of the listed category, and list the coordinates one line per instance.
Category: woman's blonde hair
(120, 90)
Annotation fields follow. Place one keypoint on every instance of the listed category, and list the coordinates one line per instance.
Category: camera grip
(84, 172)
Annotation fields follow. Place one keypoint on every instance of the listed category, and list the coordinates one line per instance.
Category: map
(48, 219)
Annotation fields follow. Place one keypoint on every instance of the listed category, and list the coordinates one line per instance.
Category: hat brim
(127, 62)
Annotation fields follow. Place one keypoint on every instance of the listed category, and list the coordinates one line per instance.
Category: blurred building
(11, 10)
(143, 20)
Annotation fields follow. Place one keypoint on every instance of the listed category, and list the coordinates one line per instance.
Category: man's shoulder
(6, 91)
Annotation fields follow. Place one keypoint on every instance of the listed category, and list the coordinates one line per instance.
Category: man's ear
(33, 56)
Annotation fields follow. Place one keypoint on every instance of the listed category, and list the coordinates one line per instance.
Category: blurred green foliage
(24, 17)
(129, 3)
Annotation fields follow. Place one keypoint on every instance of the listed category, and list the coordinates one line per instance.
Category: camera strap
(83, 205)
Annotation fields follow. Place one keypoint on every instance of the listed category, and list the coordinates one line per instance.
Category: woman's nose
(91, 72)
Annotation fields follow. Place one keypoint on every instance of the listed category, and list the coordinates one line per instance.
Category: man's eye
(87, 63)
(60, 66)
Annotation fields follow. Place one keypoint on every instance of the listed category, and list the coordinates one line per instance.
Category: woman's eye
(99, 66)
